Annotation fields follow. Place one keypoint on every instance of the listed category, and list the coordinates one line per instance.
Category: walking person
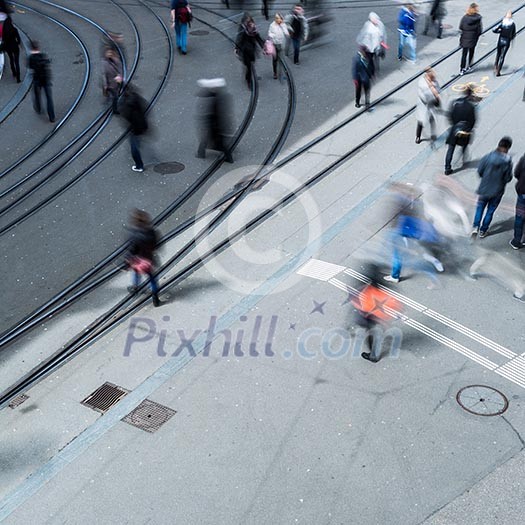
(406, 21)
(507, 31)
(463, 119)
(298, 29)
(140, 258)
(362, 73)
(437, 13)
(495, 170)
(3, 18)
(471, 29)
(373, 38)
(39, 64)
(375, 307)
(264, 9)
(428, 101)
(133, 110)
(112, 75)
(278, 34)
(519, 219)
(246, 43)
(10, 39)
(180, 19)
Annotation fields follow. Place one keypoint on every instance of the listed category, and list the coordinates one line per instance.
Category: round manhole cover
(168, 167)
(199, 32)
(482, 400)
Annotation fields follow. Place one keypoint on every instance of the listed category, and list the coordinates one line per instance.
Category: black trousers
(37, 93)
(14, 60)
(464, 52)
(358, 87)
(500, 54)
(450, 155)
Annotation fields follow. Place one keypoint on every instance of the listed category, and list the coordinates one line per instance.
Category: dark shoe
(366, 356)
(132, 289)
(418, 140)
(275, 76)
(357, 105)
(515, 244)
(156, 300)
(367, 106)
(184, 52)
(448, 172)
(482, 235)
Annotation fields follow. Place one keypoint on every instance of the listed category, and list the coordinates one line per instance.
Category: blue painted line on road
(106, 422)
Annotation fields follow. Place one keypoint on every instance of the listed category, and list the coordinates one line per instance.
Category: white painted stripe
(492, 345)
(470, 354)
(510, 377)
(320, 269)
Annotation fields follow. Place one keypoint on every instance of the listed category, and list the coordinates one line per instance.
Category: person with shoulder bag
(277, 35)
(429, 100)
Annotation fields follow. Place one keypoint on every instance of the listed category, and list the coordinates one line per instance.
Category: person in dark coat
(246, 43)
(362, 73)
(463, 119)
(519, 219)
(471, 29)
(112, 77)
(214, 113)
(507, 31)
(495, 170)
(298, 29)
(140, 258)
(133, 110)
(39, 64)
(11, 46)
(436, 16)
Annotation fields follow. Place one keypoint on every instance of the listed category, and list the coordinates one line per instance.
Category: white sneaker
(134, 168)
(391, 279)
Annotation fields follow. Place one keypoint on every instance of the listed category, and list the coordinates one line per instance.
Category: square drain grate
(149, 416)
(104, 397)
(18, 400)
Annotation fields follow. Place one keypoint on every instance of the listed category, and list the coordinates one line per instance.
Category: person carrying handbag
(277, 35)
(429, 100)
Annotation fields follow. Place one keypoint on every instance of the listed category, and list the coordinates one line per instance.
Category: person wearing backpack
(180, 19)
(38, 62)
(298, 30)
(11, 45)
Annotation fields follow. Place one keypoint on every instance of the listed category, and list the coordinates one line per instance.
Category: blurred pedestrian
(373, 38)
(471, 29)
(214, 118)
(114, 41)
(495, 170)
(264, 9)
(298, 29)
(143, 242)
(507, 32)
(133, 110)
(10, 44)
(428, 101)
(278, 34)
(462, 116)
(3, 18)
(362, 73)
(436, 15)
(180, 19)
(246, 45)
(519, 219)
(39, 64)
(374, 307)
(406, 21)
(112, 75)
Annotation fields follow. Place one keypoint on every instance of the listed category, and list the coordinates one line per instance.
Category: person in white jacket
(277, 34)
(428, 100)
(373, 37)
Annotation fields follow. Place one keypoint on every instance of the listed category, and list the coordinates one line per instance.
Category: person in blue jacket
(406, 25)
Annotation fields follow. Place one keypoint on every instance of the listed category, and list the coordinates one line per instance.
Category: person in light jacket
(428, 100)
(278, 33)
(373, 37)
(471, 29)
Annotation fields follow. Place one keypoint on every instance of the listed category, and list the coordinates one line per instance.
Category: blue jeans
(152, 282)
(410, 42)
(181, 35)
(490, 204)
(296, 42)
(134, 142)
(519, 220)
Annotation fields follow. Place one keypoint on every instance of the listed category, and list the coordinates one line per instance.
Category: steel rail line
(105, 114)
(116, 314)
(76, 101)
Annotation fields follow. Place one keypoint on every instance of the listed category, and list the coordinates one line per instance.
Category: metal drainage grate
(199, 32)
(104, 397)
(168, 167)
(149, 416)
(18, 400)
(482, 400)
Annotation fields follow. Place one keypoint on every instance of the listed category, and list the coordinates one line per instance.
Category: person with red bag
(143, 242)
(277, 35)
